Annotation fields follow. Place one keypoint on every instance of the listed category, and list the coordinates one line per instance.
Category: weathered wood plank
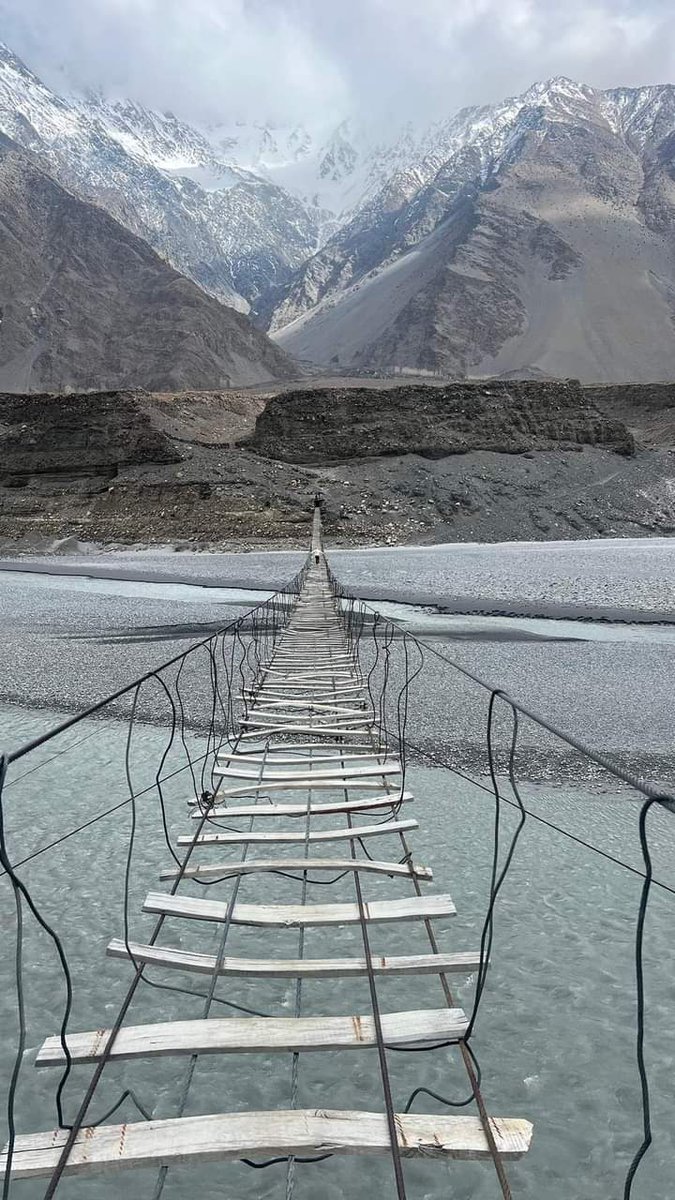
(301, 775)
(286, 747)
(302, 760)
(299, 1132)
(299, 916)
(302, 784)
(301, 810)
(264, 1035)
(258, 724)
(311, 672)
(253, 866)
(297, 707)
(293, 720)
(276, 730)
(316, 835)
(354, 695)
(461, 962)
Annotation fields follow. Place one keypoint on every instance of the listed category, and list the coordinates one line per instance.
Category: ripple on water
(555, 1035)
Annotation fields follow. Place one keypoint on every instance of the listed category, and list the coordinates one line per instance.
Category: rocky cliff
(324, 426)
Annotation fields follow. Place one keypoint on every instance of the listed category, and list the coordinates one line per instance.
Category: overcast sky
(318, 61)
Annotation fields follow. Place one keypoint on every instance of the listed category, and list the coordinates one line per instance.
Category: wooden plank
(333, 694)
(296, 708)
(253, 866)
(306, 729)
(462, 962)
(296, 720)
(315, 835)
(302, 760)
(300, 674)
(264, 1035)
(299, 916)
(286, 747)
(338, 772)
(293, 659)
(301, 810)
(354, 693)
(302, 783)
(300, 1132)
(319, 704)
(258, 725)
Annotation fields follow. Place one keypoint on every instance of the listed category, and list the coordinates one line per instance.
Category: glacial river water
(556, 1033)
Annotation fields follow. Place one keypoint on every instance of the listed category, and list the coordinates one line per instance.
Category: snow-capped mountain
(87, 304)
(535, 235)
(230, 231)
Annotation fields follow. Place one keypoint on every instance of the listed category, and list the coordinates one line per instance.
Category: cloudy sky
(320, 60)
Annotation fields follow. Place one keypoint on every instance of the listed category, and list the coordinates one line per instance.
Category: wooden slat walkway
(307, 726)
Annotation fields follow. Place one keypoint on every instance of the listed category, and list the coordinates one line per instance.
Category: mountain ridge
(85, 304)
(532, 235)
(543, 242)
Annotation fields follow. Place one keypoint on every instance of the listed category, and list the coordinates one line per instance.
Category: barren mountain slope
(84, 303)
(554, 255)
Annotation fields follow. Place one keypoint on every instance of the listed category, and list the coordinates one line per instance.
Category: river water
(556, 1033)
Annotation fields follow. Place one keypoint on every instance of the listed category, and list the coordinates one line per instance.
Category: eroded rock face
(96, 433)
(342, 424)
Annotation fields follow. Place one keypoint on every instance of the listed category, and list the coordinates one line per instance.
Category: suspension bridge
(304, 755)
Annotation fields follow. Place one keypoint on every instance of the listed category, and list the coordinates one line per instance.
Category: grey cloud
(320, 60)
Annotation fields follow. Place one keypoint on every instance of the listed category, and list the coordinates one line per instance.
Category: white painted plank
(300, 1132)
(253, 866)
(264, 1035)
(224, 838)
(461, 962)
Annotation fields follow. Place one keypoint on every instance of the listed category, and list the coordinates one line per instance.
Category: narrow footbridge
(310, 747)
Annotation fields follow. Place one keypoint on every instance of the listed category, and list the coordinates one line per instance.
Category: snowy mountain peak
(553, 91)
(339, 157)
(9, 59)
